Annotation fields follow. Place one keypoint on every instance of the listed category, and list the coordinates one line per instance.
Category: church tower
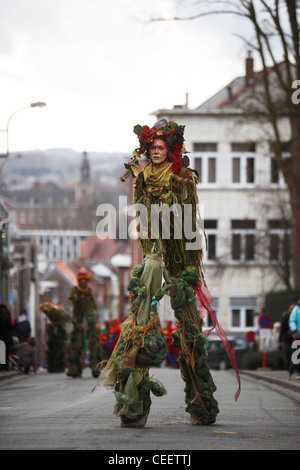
(84, 169)
(84, 188)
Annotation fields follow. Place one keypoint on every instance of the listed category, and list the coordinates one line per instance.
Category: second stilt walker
(172, 265)
(84, 306)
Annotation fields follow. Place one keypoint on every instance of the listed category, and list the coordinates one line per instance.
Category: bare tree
(276, 40)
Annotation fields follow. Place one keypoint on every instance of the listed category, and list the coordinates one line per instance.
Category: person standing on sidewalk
(294, 324)
(286, 338)
(22, 328)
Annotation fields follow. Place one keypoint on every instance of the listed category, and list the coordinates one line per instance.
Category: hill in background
(62, 167)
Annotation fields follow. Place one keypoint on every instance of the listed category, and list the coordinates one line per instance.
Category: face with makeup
(159, 153)
(82, 283)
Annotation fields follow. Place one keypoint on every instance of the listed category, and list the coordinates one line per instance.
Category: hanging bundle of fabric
(188, 337)
(139, 347)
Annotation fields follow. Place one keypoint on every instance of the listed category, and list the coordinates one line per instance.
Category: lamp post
(38, 104)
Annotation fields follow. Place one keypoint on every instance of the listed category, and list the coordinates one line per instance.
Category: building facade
(243, 201)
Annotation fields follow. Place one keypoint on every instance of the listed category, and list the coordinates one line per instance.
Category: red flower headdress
(83, 274)
(171, 133)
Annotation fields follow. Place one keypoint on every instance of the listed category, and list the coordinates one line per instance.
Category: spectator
(22, 329)
(5, 333)
(26, 354)
(294, 323)
(286, 338)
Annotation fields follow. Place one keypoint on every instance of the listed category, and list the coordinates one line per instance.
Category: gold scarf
(157, 179)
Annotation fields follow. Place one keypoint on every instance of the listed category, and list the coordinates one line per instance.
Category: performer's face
(82, 282)
(158, 153)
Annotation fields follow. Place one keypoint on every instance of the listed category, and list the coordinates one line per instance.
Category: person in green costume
(172, 265)
(56, 335)
(84, 306)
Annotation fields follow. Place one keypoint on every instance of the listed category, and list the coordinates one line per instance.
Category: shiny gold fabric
(157, 179)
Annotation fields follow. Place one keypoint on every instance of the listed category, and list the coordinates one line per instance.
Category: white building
(243, 196)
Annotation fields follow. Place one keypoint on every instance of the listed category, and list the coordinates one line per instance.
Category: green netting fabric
(83, 311)
(140, 345)
(178, 261)
(189, 339)
(56, 335)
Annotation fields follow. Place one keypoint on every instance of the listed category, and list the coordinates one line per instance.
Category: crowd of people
(20, 346)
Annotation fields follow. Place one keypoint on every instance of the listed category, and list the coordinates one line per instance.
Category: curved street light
(38, 104)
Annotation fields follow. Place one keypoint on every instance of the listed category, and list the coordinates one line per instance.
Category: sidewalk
(279, 378)
(10, 374)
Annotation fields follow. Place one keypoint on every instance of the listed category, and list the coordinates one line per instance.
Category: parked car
(217, 354)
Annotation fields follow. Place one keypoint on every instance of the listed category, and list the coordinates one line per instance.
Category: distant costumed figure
(84, 306)
(56, 335)
(172, 265)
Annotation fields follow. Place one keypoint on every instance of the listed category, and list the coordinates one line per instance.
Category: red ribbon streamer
(205, 300)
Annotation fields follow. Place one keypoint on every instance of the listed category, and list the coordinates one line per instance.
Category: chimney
(186, 100)
(249, 69)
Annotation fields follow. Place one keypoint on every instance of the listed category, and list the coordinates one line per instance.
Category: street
(54, 412)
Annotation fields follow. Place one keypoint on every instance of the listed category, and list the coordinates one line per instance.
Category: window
(208, 323)
(31, 217)
(242, 311)
(243, 163)
(279, 240)
(205, 162)
(205, 147)
(211, 170)
(22, 217)
(210, 227)
(243, 240)
(236, 170)
(250, 169)
(206, 168)
(276, 176)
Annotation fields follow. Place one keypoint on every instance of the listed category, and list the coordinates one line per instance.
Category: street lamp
(38, 104)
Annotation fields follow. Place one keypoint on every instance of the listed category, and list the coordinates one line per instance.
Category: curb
(288, 384)
(10, 374)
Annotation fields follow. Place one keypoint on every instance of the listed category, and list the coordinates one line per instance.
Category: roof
(93, 248)
(102, 270)
(121, 260)
(236, 97)
(66, 272)
(46, 195)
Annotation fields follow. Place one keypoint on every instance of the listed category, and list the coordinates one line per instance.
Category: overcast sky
(102, 67)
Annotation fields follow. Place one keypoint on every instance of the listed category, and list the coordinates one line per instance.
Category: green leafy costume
(83, 310)
(56, 335)
(177, 261)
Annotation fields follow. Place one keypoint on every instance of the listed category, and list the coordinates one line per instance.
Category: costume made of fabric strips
(83, 310)
(141, 344)
(172, 265)
(56, 335)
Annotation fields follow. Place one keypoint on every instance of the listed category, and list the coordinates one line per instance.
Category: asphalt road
(54, 412)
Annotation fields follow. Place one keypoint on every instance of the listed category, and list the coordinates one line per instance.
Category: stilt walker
(172, 264)
(56, 335)
(84, 306)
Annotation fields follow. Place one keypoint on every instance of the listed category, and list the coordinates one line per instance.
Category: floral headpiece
(83, 274)
(171, 133)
